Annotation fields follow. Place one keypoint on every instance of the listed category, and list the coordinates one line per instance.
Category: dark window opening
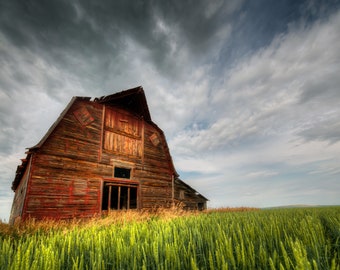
(200, 206)
(119, 197)
(122, 173)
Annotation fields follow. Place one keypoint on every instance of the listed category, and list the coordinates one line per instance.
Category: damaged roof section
(133, 99)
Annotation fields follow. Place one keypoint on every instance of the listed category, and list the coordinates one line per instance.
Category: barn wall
(19, 196)
(187, 198)
(130, 139)
(157, 174)
(69, 168)
(122, 137)
(63, 188)
(66, 178)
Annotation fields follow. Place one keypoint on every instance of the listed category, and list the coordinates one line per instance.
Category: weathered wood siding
(156, 184)
(130, 140)
(66, 176)
(68, 170)
(99, 155)
(187, 198)
(19, 196)
(122, 136)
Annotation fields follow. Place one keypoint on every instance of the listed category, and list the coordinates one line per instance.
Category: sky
(246, 92)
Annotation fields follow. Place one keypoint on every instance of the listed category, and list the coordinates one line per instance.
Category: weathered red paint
(63, 175)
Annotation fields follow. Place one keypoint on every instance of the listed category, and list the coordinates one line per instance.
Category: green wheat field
(296, 238)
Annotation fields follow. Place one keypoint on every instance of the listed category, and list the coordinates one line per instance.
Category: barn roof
(131, 99)
(55, 124)
(179, 181)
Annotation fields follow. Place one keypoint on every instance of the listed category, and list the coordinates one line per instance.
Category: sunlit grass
(305, 238)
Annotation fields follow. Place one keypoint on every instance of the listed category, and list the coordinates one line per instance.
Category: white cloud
(238, 128)
(262, 127)
(257, 174)
(5, 208)
(261, 95)
(7, 172)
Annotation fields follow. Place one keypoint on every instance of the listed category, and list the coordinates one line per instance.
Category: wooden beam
(128, 199)
(118, 207)
(109, 199)
(100, 150)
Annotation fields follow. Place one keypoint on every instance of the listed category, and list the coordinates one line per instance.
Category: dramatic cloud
(246, 92)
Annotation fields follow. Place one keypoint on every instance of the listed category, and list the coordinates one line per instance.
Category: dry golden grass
(4, 228)
(114, 217)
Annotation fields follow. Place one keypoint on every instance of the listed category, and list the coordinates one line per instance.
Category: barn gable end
(100, 155)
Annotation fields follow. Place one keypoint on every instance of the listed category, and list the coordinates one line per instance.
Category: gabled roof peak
(132, 99)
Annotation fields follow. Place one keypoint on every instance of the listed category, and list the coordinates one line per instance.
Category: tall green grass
(306, 238)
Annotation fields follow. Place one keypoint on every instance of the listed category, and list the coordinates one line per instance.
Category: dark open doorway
(119, 196)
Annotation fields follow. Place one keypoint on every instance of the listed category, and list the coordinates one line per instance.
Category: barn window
(83, 116)
(154, 139)
(181, 194)
(122, 133)
(122, 172)
(200, 206)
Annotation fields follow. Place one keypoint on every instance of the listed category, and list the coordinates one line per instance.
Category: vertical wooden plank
(100, 196)
(128, 199)
(173, 190)
(109, 199)
(100, 150)
(24, 214)
(139, 196)
(142, 146)
(118, 207)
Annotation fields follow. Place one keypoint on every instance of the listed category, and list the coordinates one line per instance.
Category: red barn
(101, 154)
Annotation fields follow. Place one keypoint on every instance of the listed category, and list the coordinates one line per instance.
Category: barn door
(119, 196)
